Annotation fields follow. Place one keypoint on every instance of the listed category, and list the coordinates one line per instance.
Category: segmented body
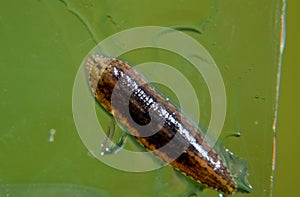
(156, 123)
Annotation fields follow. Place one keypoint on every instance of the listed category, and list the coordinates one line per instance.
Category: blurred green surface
(42, 45)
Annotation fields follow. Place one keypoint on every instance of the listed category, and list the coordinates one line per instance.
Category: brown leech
(155, 122)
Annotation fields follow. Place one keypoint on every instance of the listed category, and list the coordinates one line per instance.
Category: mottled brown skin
(176, 141)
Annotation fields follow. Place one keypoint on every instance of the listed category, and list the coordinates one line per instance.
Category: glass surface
(42, 46)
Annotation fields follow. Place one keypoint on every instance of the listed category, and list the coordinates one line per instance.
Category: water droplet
(52, 133)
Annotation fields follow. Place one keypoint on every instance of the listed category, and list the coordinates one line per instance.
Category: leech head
(96, 61)
(95, 64)
(103, 74)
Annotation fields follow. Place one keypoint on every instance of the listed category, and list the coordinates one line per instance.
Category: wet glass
(43, 44)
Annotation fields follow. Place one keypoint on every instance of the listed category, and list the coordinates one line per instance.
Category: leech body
(175, 140)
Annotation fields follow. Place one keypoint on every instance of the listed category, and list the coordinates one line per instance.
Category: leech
(157, 124)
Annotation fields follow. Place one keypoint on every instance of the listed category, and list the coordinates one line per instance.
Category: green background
(42, 45)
